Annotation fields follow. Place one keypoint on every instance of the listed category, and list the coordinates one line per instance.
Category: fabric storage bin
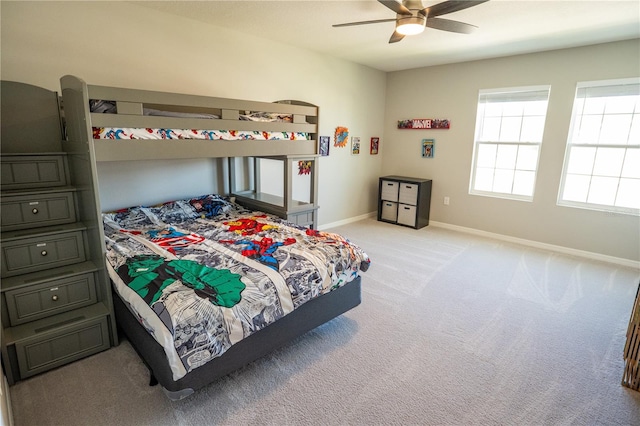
(408, 193)
(389, 211)
(407, 215)
(389, 191)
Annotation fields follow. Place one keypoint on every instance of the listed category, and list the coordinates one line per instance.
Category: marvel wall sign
(424, 124)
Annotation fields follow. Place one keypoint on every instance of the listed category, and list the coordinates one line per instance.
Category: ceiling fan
(412, 17)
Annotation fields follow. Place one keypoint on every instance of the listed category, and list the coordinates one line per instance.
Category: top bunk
(129, 124)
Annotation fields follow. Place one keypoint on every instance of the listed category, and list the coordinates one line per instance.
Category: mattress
(202, 274)
(109, 107)
(147, 133)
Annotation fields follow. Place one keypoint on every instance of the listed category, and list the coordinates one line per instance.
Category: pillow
(209, 206)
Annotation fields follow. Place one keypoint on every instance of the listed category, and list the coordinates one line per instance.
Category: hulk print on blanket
(149, 275)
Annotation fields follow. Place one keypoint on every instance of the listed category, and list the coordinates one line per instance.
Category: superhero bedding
(109, 107)
(203, 274)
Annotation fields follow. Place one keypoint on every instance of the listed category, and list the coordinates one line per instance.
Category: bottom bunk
(307, 317)
(204, 286)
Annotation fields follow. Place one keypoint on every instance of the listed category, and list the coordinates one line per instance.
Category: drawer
(35, 253)
(408, 193)
(33, 171)
(38, 301)
(34, 210)
(407, 215)
(56, 346)
(389, 190)
(389, 211)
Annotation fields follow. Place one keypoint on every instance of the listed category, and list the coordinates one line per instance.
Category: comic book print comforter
(204, 273)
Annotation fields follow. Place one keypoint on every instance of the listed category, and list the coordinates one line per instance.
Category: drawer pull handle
(34, 211)
(43, 252)
(54, 297)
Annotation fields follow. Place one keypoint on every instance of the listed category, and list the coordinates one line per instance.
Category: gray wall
(123, 44)
(451, 91)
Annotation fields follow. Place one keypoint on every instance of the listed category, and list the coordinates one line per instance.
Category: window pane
(581, 160)
(629, 193)
(631, 166)
(594, 105)
(634, 133)
(602, 190)
(487, 155)
(608, 162)
(513, 109)
(523, 183)
(506, 158)
(510, 129)
(536, 108)
(620, 104)
(503, 181)
(527, 157)
(490, 129)
(484, 179)
(532, 129)
(493, 109)
(615, 129)
(576, 188)
(589, 130)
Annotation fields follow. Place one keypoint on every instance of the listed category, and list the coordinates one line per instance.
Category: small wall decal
(375, 144)
(341, 137)
(323, 145)
(355, 145)
(428, 146)
(304, 167)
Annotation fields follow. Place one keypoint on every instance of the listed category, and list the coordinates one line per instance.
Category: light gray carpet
(453, 330)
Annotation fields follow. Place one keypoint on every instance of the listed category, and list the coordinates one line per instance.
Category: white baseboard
(347, 221)
(551, 247)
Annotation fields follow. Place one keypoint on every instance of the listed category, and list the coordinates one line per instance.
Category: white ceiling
(506, 27)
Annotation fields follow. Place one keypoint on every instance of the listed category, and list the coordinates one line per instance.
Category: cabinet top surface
(404, 178)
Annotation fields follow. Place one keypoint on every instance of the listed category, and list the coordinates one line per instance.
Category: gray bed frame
(130, 104)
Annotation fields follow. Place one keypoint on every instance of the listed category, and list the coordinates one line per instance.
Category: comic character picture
(427, 148)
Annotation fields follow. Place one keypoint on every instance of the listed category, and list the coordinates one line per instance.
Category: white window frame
(517, 93)
(576, 116)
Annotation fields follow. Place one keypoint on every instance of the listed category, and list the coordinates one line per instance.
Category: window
(602, 160)
(509, 128)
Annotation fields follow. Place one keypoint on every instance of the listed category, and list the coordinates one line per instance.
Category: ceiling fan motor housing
(414, 23)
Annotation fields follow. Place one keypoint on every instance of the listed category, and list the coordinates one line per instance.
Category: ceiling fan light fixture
(411, 25)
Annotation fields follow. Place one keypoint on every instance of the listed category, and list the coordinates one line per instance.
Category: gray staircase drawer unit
(30, 211)
(39, 301)
(60, 345)
(33, 171)
(42, 252)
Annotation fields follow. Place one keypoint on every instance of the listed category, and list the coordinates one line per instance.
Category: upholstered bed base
(274, 336)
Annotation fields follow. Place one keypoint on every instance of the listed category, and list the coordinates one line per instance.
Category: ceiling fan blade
(396, 7)
(449, 25)
(377, 21)
(449, 7)
(396, 37)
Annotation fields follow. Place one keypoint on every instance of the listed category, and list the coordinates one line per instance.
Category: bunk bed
(163, 258)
